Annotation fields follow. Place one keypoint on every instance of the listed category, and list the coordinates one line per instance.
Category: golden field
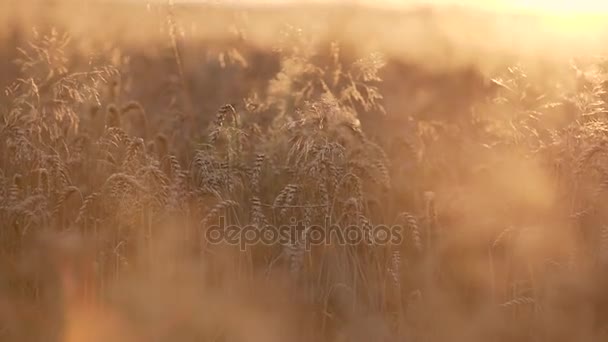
(129, 130)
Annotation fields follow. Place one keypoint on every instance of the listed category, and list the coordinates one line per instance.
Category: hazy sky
(561, 6)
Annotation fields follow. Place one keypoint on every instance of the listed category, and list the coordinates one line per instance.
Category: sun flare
(562, 6)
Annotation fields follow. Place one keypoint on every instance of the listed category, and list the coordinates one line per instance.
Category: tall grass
(108, 186)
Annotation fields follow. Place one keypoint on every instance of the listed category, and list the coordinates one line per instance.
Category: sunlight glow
(563, 6)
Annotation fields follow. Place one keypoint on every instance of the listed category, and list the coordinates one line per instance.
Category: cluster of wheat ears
(501, 204)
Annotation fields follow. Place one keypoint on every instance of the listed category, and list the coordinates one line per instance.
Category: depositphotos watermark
(300, 234)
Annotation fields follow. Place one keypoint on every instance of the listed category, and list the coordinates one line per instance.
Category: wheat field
(242, 171)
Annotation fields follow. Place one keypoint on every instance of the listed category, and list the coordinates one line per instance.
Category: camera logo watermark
(300, 234)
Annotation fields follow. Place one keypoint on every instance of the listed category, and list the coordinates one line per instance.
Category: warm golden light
(303, 170)
(561, 6)
(555, 6)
